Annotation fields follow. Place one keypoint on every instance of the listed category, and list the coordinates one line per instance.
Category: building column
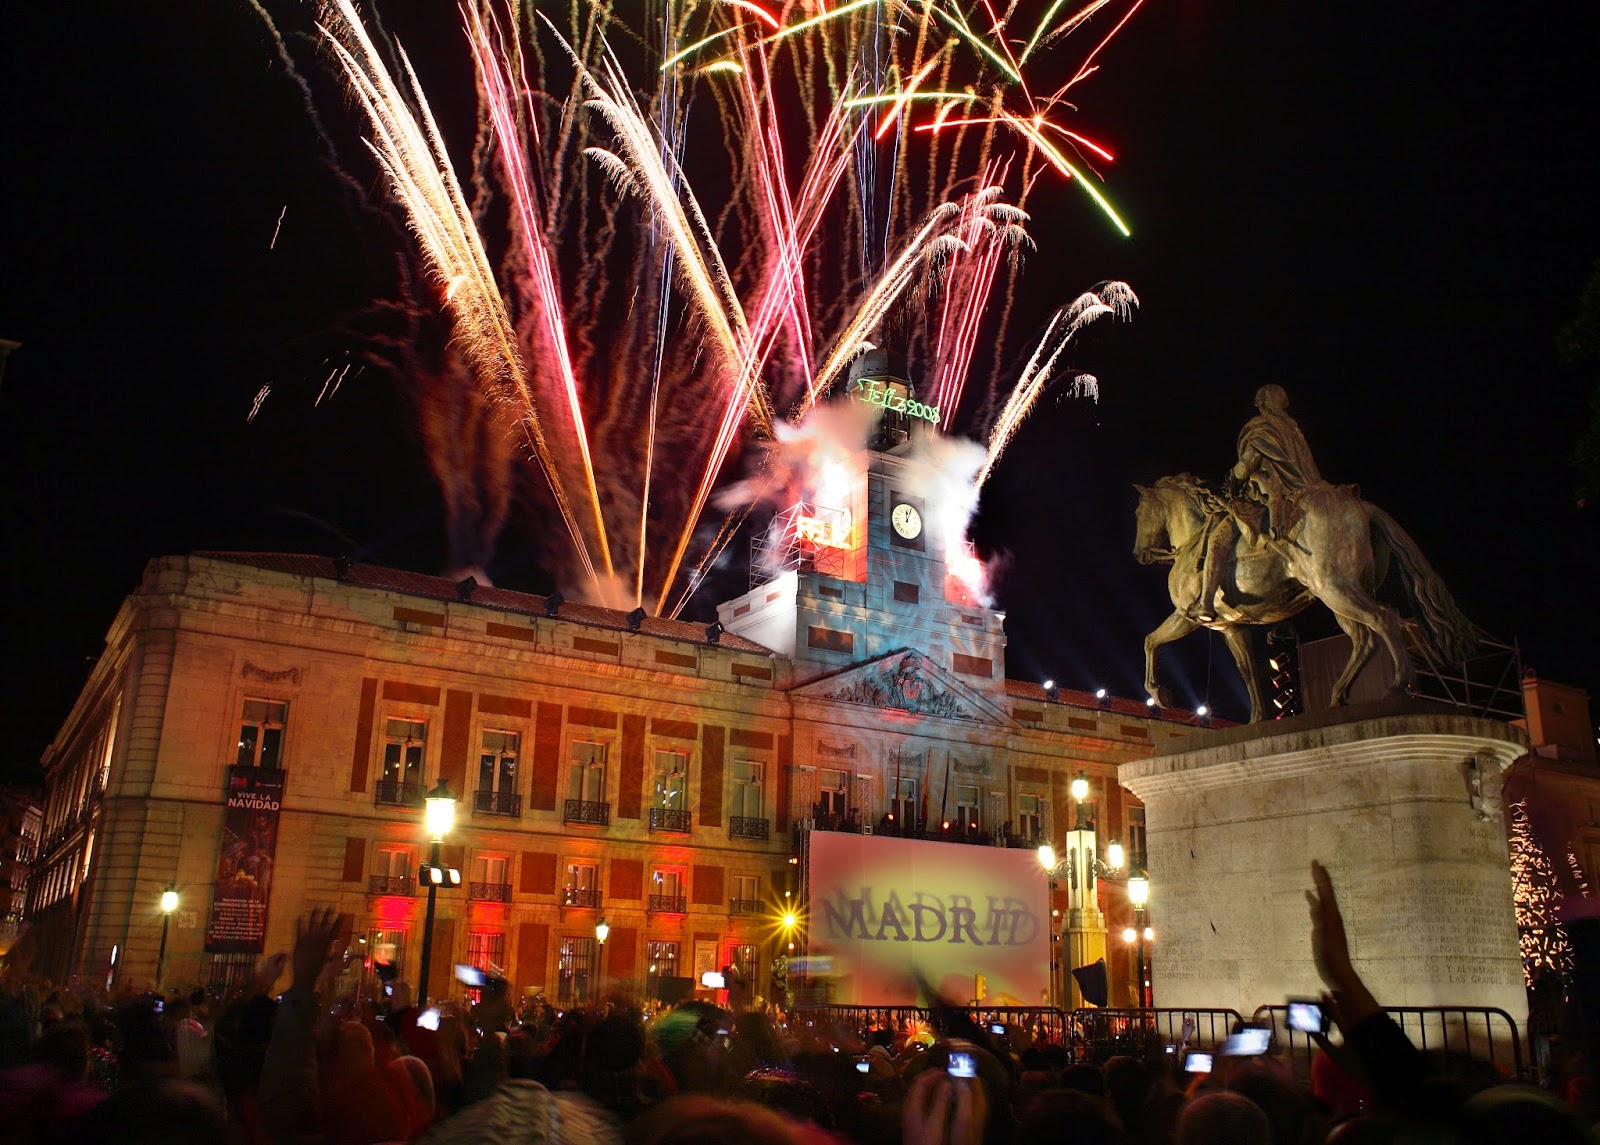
(1085, 944)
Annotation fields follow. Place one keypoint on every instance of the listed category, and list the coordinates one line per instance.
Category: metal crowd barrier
(1046, 1023)
(1478, 1031)
(1146, 1033)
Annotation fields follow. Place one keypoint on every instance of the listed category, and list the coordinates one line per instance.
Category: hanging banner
(243, 885)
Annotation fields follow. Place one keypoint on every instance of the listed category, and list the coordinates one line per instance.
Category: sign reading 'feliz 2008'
(893, 397)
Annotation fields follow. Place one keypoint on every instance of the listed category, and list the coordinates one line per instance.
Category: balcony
(497, 803)
(746, 827)
(744, 906)
(586, 811)
(398, 793)
(670, 819)
(581, 898)
(489, 892)
(668, 904)
(391, 885)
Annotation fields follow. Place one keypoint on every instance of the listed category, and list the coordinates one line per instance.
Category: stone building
(652, 773)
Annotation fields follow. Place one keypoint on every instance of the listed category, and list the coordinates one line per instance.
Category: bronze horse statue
(1337, 550)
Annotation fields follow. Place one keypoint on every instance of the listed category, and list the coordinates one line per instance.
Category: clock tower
(835, 586)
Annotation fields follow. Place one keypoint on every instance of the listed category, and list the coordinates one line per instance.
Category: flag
(1091, 981)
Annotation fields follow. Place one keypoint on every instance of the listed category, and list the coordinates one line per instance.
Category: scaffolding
(802, 538)
(1487, 683)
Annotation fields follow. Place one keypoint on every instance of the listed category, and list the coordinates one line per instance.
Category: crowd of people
(303, 1066)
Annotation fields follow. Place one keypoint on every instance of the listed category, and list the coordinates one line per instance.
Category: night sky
(1391, 218)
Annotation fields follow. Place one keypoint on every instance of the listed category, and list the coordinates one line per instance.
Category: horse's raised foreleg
(1174, 627)
(1355, 606)
(1244, 657)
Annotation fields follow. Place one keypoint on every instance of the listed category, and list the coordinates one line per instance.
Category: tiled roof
(1072, 698)
(483, 596)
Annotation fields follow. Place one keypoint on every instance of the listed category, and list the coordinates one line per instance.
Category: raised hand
(315, 934)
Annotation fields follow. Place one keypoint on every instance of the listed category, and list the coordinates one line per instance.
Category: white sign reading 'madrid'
(894, 915)
(894, 397)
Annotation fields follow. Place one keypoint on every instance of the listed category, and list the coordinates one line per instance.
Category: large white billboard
(885, 914)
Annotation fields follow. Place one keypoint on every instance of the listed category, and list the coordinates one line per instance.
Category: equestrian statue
(1277, 538)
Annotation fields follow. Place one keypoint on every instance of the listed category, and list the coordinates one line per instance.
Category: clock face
(906, 520)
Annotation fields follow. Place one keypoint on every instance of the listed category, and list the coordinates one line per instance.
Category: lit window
(261, 733)
(403, 746)
(497, 762)
(672, 780)
(746, 790)
(587, 777)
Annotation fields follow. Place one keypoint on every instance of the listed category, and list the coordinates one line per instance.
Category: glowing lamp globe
(1138, 889)
(1129, 934)
(169, 901)
(1080, 787)
(1047, 857)
(602, 931)
(439, 810)
(789, 920)
(1114, 855)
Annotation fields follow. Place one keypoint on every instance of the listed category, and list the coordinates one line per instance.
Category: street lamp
(602, 931)
(169, 903)
(438, 816)
(1139, 897)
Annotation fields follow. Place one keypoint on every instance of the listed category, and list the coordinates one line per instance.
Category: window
(1030, 820)
(672, 780)
(261, 734)
(833, 796)
(746, 895)
(903, 803)
(746, 790)
(392, 872)
(575, 970)
(404, 741)
(497, 762)
(1136, 851)
(966, 808)
(486, 949)
(489, 869)
(663, 963)
(587, 778)
(667, 891)
(583, 884)
(742, 957)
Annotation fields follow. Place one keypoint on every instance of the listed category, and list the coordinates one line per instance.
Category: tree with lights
(1545, 951)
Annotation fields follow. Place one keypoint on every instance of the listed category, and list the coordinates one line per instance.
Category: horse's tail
(1450, 636)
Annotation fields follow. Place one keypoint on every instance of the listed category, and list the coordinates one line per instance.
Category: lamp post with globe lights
(438, 816)
(169, 903)
(1080, 863)
(1139, 933)
(602, 931)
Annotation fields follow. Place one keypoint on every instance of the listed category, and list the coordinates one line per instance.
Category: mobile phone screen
(428, 1019)
(963, 1065)
(1198, 1063)
(1306, 1017)
(862, 1066)
(1246, 1043)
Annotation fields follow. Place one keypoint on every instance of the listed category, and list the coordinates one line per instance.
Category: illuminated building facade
(261, 729)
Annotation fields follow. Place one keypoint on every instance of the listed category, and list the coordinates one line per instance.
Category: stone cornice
(1428, 733)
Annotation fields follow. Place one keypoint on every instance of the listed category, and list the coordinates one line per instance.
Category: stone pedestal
(1399, 800)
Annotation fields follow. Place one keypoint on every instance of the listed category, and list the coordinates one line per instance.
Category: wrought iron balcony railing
(667, 904)
(748, 827)
(586, 811)
(744, 906)
(398, 793)
(670, 819)
(497, 803)
(489, 892)
(391, 885)
(584, 898)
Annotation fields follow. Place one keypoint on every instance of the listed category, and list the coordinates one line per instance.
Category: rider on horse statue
(1275, 465)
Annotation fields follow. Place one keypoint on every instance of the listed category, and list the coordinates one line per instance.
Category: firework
(621, 303)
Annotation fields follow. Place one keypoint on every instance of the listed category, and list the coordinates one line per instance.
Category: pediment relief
(907, 681)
